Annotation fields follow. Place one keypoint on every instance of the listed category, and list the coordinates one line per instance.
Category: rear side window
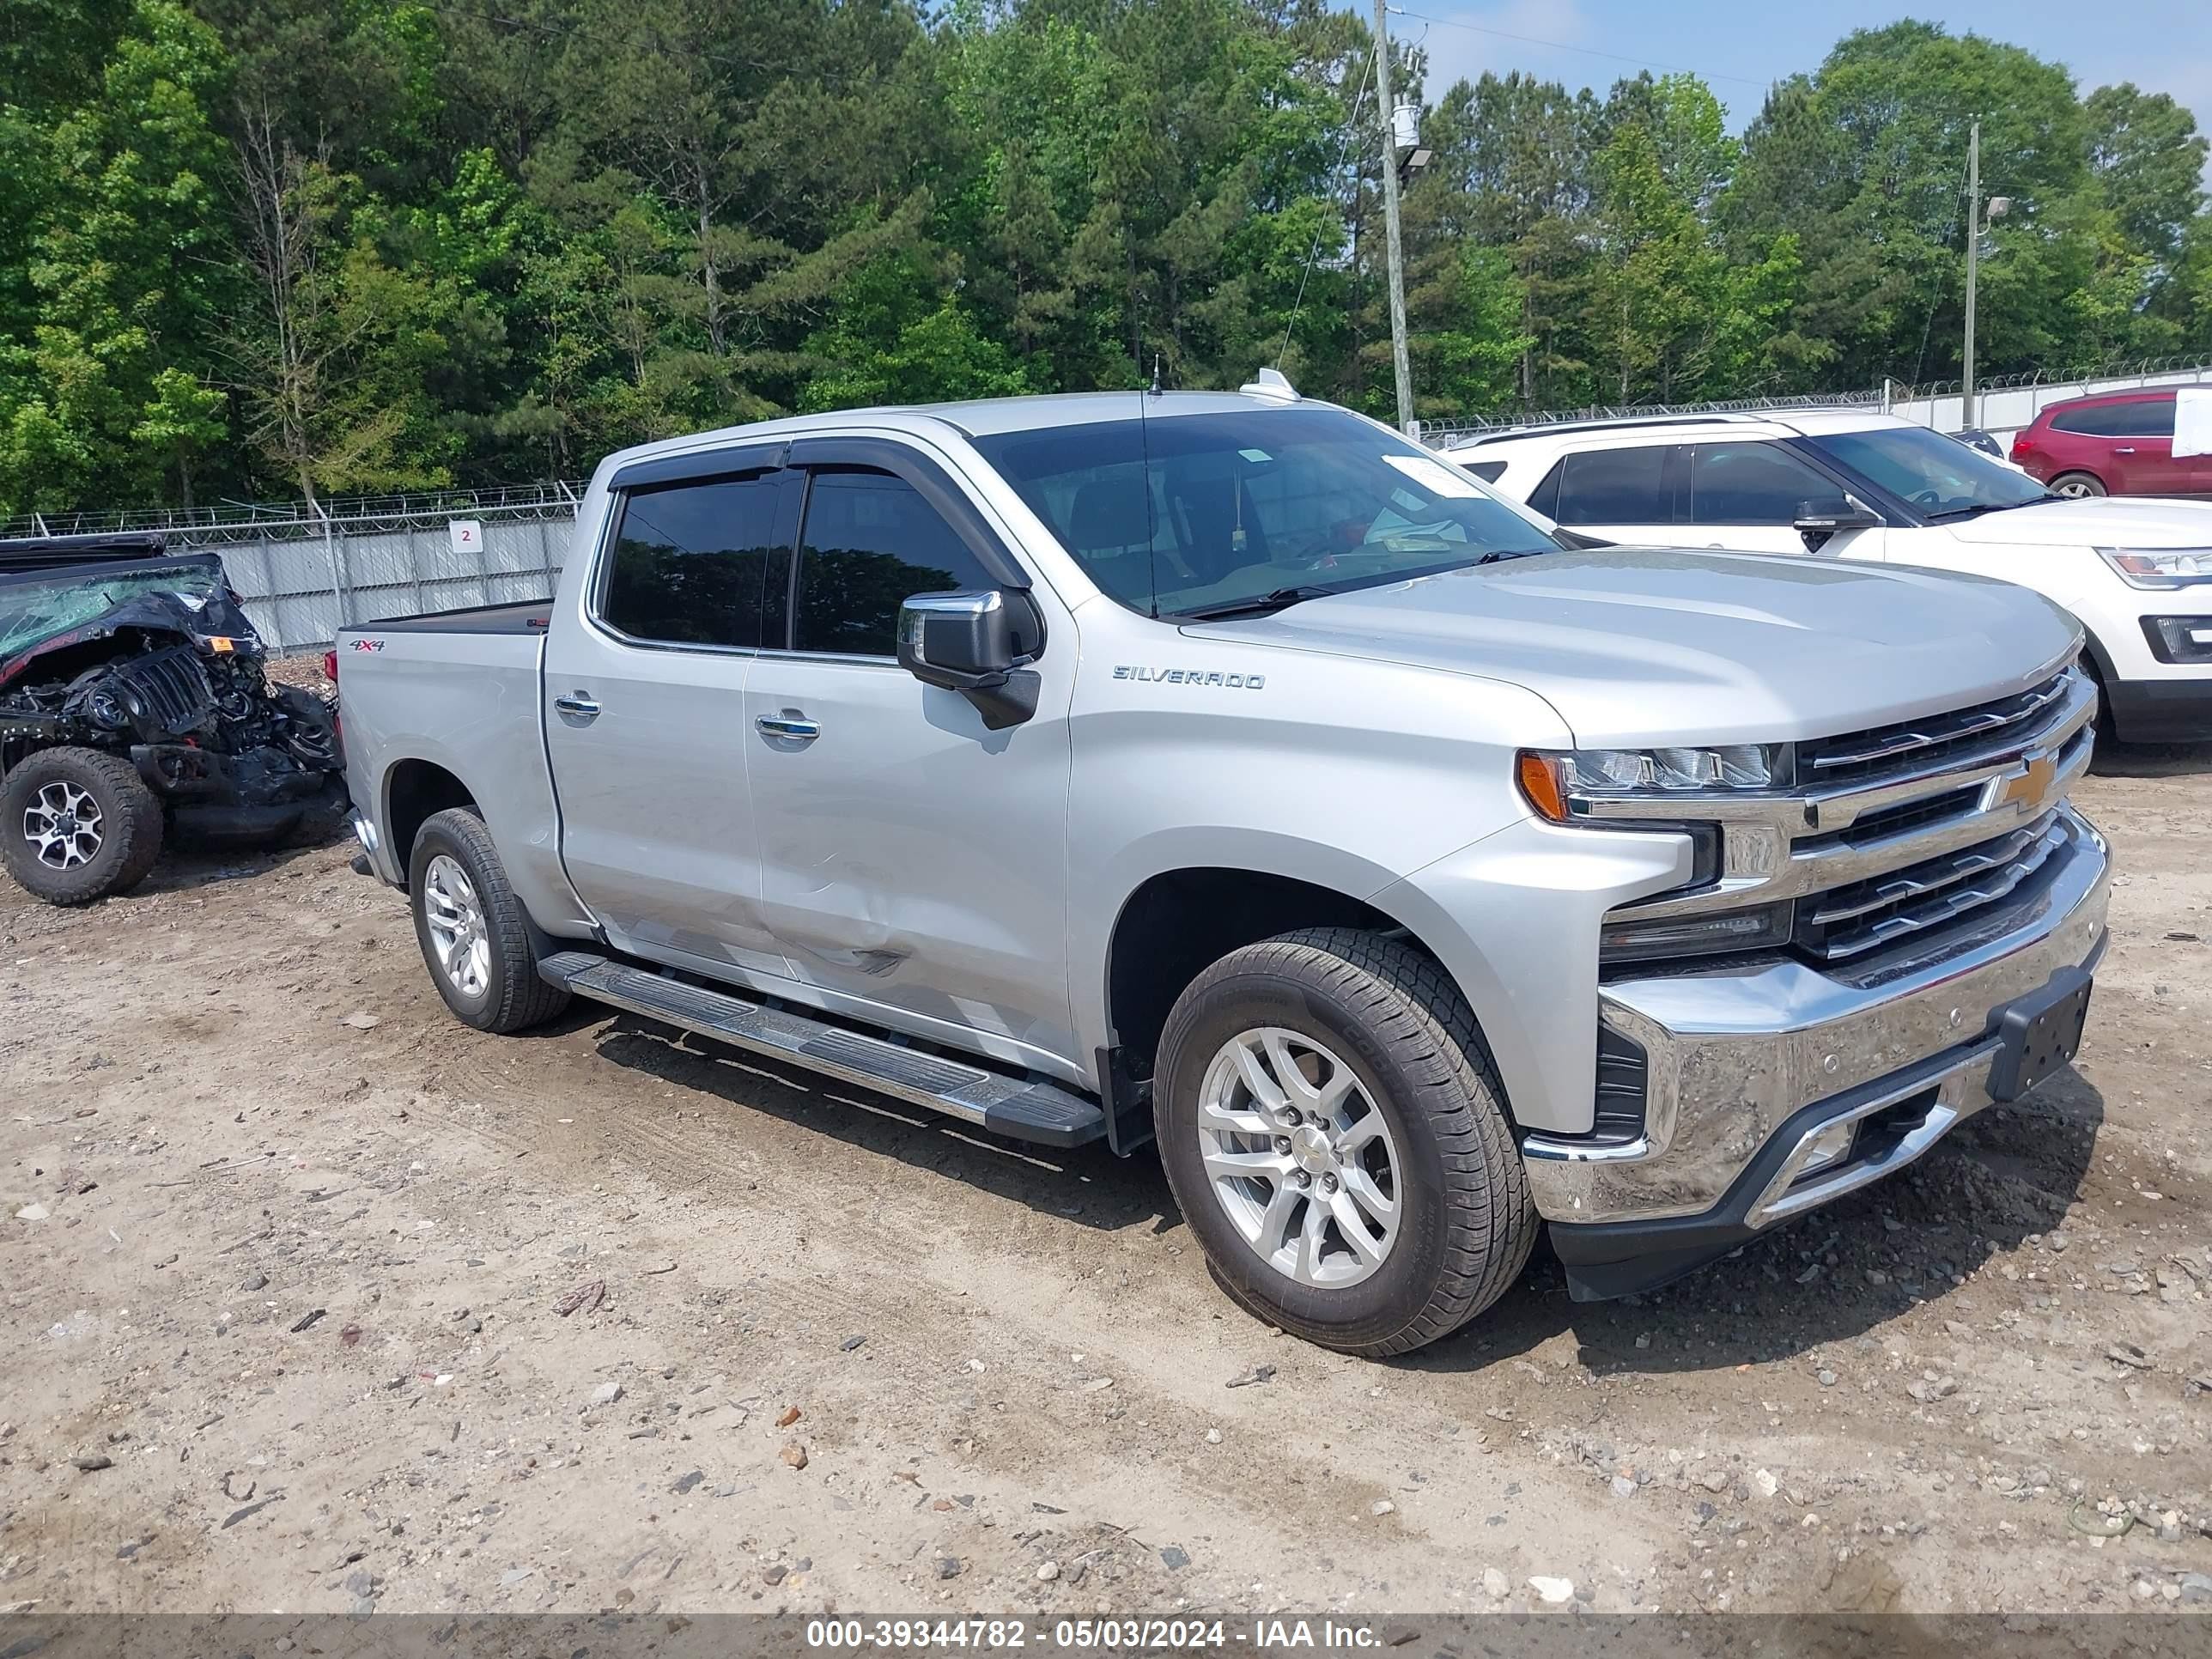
(692, 560)
(1615, 486)
(2147, 417)
(871, 543)
(1750, 483)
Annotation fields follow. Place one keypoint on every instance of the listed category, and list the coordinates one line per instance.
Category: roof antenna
(1151, 525)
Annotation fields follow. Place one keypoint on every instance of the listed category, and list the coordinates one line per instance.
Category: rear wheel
(2077, 484)
(474, 934)
(1335, 1136)
(77, 825)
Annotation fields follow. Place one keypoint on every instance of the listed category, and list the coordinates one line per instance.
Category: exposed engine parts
(133, 703)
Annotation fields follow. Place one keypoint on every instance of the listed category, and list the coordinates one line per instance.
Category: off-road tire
(130, 825)
(514, 997)
(1401, 1023)
(2088, 485)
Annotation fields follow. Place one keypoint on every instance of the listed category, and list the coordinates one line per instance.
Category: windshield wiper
(1260, 605)
(1519, 553)
(1980, 508)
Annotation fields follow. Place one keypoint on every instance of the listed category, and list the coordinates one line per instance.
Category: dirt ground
(285, 1250)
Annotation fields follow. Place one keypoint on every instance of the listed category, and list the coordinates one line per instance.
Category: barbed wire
(227, 521)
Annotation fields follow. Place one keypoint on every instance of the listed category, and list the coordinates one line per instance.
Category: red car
(2117, 443)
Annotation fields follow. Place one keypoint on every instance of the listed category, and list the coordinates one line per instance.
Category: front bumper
(1747, 1065)
(2160, 711)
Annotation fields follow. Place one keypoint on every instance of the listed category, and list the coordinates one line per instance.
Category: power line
(1587, 51)
(1350, 125)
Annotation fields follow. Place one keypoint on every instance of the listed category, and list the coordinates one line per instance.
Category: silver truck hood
(1638, 646)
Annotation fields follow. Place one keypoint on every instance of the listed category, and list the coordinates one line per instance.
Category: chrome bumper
(1733, 1054)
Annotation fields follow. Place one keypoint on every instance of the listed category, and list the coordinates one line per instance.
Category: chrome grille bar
(1865, 749)
(1946, 902)
(1916, 881)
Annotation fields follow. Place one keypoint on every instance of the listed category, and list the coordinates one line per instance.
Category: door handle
(792, 724)
(578, 703)
(2123, 449)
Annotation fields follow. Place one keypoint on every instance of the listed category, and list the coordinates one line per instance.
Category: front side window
(1616, 486)
(692, 560)
(1192, 513)
(871, 543)
(1750, 483)
(1942, 478)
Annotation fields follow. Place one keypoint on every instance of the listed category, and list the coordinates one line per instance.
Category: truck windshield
(1190, 515)
(1939, 475)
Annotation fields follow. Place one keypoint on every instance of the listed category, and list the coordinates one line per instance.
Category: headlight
(2160, 566)
(1551, 781)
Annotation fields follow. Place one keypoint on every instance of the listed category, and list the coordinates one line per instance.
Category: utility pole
(1973, 261)
(1394, 248)
(1999, 206)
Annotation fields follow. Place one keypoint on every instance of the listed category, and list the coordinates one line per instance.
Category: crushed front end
(151, 657)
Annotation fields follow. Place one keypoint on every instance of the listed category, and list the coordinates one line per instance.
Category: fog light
(1832, 1145)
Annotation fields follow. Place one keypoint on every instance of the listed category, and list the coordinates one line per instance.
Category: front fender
(1514, 918)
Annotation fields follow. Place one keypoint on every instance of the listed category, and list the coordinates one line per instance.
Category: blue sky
(1740, 46)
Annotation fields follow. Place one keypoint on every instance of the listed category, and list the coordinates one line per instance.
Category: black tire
(125, 843)
(1397, 1021)
(2108, 731)
(2078, 483)
(514, 997)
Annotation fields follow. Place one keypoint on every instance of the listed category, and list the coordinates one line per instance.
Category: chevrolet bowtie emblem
(2026, 788)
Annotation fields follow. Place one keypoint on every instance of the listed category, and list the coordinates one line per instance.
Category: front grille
(1916, 745)
(167, 691)
(1889, 822)
(1849, 921)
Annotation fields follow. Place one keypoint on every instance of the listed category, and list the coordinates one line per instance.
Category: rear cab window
(692, 562)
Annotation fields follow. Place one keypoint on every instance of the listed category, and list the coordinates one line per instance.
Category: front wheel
(472, 929)
(78, 824)
(2077, 485)
(1335, 1136)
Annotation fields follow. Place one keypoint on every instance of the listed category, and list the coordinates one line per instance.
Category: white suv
(1855, 484)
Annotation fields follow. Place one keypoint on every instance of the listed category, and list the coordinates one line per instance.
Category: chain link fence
(304, 571)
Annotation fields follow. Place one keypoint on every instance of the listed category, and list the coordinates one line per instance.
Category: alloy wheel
(63, 824)
(1300, 1158)
(455, 920)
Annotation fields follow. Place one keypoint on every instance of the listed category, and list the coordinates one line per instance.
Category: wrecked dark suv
(133, 704)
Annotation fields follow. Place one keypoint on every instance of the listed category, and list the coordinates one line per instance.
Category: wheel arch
(413, 791)
(1177, 922)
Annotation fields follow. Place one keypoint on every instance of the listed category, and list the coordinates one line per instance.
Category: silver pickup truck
(1225, 772)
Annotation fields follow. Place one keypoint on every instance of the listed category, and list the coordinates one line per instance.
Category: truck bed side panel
(527, 619)
(470, 703)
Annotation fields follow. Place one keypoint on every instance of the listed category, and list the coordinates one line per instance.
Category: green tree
(124, 267)
(2148, 159)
